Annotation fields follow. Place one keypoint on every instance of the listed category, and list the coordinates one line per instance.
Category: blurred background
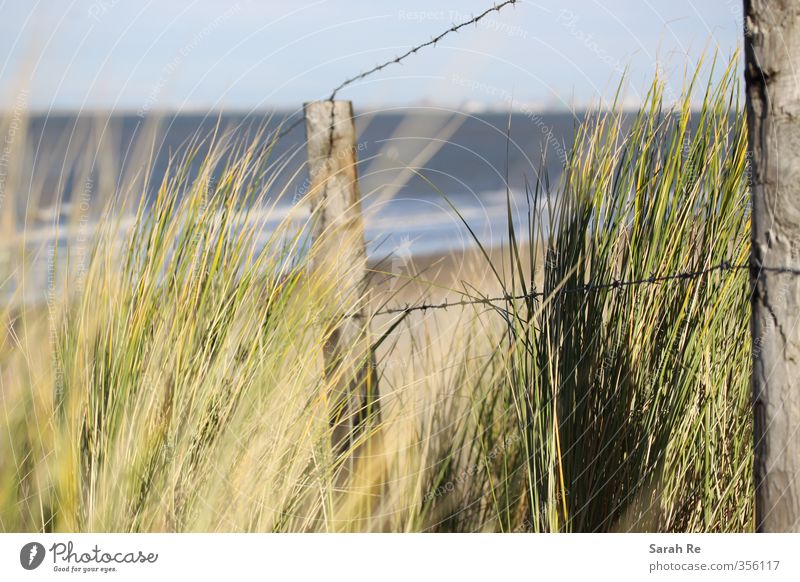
(468, 121)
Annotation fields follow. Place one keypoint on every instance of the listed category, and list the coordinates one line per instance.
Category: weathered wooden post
(339, 261)
(772, 58)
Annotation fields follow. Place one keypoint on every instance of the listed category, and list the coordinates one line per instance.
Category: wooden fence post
(339, 261)
(772, 44)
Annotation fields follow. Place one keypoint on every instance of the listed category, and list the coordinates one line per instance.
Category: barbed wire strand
(401, 58)
(433, 41)
(398, 59)
(589, 287)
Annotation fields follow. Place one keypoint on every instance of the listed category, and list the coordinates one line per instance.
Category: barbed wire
(724, 266)
(433, 41)
(398, 59)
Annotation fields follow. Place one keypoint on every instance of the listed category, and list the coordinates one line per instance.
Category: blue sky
(201, 54)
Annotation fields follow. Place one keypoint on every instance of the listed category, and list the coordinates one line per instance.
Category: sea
(425, 174)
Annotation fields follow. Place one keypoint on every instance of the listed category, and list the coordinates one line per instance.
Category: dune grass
(631, 405)
(174, 381)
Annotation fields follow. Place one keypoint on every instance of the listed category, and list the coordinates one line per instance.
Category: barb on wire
(433, 41)
(589, 287)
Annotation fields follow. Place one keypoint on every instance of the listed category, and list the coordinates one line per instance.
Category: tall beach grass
(173, 379)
